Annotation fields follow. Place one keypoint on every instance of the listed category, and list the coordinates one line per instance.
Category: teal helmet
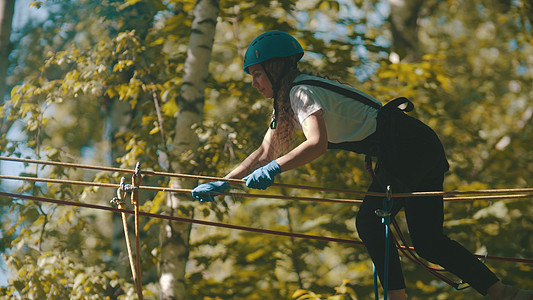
(269, 45)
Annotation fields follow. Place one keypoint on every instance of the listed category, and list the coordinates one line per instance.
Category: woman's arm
(316, 143)
(260, 157)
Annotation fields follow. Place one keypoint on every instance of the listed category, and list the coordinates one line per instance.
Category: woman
(335, 116)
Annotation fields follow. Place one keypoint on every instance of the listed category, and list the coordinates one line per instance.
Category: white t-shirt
(346, 119)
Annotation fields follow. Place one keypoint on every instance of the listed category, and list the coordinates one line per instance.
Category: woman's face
(260, 80)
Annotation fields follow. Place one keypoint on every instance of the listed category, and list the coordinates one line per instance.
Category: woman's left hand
(263, 177)
(205, 192)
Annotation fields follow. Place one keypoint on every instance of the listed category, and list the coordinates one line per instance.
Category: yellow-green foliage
(100, 83)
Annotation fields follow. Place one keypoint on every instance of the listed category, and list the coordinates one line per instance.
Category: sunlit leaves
(60, 275)
(472, 87)
(413, 80)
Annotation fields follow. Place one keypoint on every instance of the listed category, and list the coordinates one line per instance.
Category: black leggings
(412, 159)
(424, 219)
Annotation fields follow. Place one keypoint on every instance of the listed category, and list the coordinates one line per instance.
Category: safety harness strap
(339, 90)
(394, 103)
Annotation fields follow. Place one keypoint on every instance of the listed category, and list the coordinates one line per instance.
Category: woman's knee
(430, 249)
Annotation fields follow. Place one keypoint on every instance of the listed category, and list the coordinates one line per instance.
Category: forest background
(160, 82)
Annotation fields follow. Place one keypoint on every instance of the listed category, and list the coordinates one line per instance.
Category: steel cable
(266, 196)
(239, 181)
(225, 225)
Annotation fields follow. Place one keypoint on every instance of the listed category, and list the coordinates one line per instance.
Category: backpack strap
(340, 90)
(396, 102)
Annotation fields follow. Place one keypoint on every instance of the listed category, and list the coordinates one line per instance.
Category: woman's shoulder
(305, 77)
(330, 88)
(309, 80)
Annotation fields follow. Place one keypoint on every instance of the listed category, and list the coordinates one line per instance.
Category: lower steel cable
(225, 225)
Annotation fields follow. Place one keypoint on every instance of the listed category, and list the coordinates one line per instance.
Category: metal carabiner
(387, 204)
(388, 193)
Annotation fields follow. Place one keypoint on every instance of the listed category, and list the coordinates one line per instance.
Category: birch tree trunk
(7, 8)
(174, 235)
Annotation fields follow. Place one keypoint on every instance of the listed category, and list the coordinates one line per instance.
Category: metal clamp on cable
(117, 202)
(138, 169)
(127, 188)
(136, 179)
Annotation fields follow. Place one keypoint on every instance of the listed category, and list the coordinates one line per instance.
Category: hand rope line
(120, 202)
(178, 191)
(240, 181)
(166, 174)
(266, 196)
(228, 226)
(136, 179)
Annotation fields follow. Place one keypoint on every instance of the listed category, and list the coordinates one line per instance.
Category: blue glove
(263, 177)
(205, 191)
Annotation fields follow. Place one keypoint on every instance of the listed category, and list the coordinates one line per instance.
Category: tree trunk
(175, 236)
(7, 8)
(404, 26)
